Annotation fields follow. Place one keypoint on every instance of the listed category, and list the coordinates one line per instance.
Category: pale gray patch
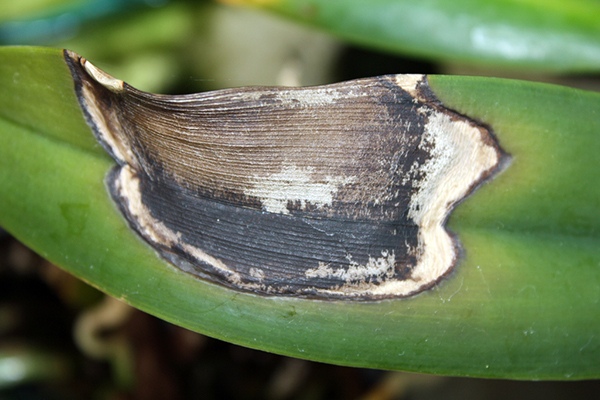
(316, 96)
(294, 184)
(375, 268)
(257, 273)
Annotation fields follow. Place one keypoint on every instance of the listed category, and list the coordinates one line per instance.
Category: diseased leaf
(521, 304)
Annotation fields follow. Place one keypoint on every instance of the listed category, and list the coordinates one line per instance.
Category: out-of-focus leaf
(550, 35)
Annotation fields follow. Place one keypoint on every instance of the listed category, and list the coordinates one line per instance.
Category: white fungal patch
(375, 268)
(294, 184)
(257, 273)
(316, 97)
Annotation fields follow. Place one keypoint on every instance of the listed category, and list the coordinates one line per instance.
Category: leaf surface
(522, 304)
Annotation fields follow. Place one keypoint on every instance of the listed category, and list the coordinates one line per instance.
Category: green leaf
(522, 304)
(549, 35)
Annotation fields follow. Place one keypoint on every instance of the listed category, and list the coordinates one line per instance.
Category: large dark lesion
(191, 168)
(271, 251)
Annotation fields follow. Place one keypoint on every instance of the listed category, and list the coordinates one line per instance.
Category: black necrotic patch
(283, 247)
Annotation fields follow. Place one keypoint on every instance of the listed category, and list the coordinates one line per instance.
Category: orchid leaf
(522, 303)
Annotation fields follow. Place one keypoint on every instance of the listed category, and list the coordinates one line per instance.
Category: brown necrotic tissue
(329, 192)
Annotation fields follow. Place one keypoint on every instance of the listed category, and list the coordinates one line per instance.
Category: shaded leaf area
(522, 304)
(40, 305)
(555, 35)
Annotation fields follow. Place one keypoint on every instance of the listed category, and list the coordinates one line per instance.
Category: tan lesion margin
(464, 154)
